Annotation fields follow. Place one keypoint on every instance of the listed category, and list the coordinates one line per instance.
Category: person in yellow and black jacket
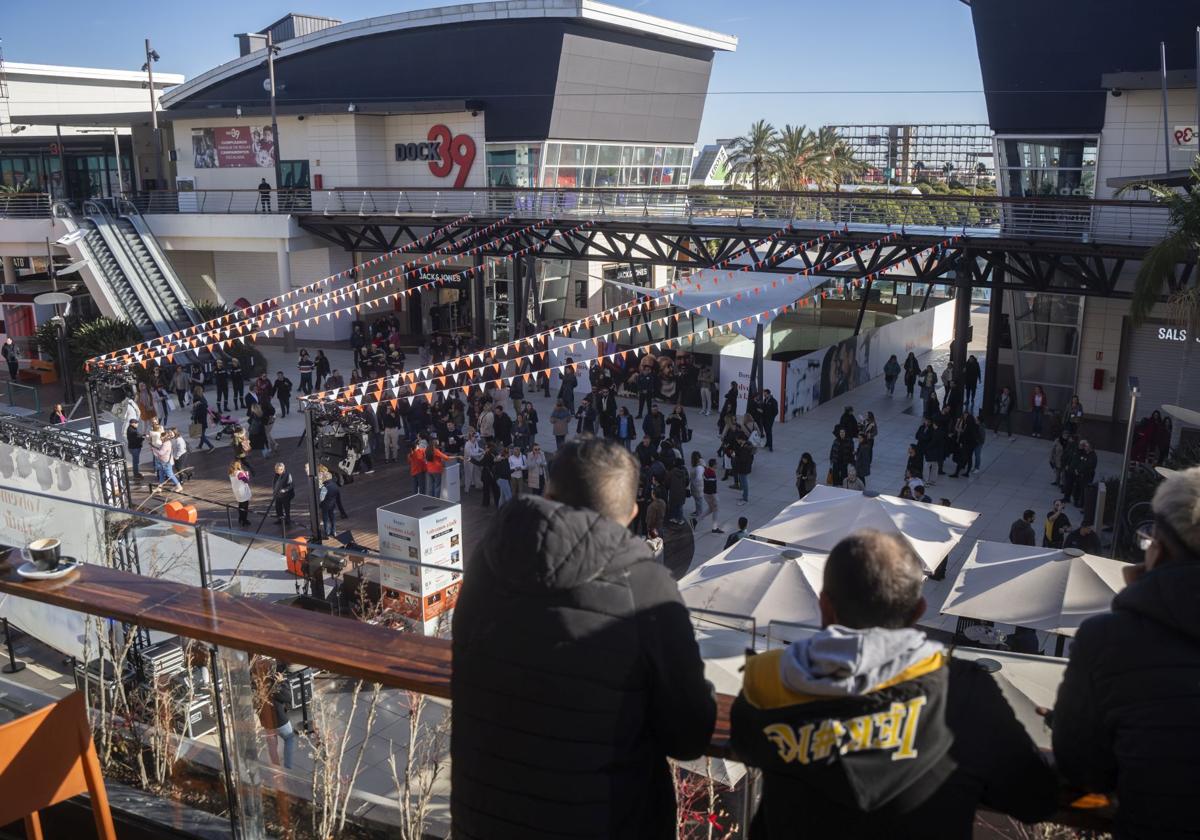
(868, 729)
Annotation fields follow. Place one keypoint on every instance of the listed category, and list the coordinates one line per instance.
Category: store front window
(1038, 167)
(605, 165)
(513, 164)
(1044, 335)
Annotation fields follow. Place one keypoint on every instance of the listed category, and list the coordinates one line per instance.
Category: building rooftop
(601, 15)
(58, 71)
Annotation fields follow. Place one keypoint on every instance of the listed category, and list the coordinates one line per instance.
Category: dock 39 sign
(443, 151)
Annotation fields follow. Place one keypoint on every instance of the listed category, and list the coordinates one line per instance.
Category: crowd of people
(865, 728)
(494, 433)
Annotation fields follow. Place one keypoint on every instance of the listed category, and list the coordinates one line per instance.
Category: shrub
(88, 339)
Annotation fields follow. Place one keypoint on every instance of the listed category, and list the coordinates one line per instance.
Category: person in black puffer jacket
(576, 672)
(1125, 720)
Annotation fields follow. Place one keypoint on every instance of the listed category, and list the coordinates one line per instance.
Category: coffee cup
(45, 553)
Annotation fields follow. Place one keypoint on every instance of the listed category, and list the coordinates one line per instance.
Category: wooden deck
(209, 490)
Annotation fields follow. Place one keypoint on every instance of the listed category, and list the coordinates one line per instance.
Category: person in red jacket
(416, 466)
(435, 466)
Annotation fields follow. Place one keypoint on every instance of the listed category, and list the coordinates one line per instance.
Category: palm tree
(752, 150)
(840, 166)
(795, 158)
(1183, 209)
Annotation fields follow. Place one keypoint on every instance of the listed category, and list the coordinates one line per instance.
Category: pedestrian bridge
(1089, 221)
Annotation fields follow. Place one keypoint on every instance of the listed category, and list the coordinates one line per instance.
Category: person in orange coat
(417, 466)
(435, 466)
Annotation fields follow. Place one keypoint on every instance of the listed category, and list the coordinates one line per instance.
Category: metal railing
(1072, 219)
(25, 206)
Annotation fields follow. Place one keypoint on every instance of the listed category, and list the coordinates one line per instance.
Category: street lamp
(148, 69)
(57, 299)
(1134, 390)
(272, 50)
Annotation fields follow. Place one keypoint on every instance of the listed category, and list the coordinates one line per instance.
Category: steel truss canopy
(1045, 266)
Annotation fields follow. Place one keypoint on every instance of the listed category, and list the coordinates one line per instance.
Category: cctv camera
(1116, 92)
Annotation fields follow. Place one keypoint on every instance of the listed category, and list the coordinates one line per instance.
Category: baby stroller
(224, 423)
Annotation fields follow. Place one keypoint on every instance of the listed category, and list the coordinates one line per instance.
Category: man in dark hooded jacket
(867, 729)
(576, 672)
(1125, 720)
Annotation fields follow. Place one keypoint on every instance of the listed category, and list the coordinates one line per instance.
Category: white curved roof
(582, 10)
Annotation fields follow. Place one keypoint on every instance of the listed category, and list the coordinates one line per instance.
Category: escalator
(131, 243)
(174, 307)
(108, 282)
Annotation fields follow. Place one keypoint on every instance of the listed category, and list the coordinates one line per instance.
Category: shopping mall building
(1075, 98)
(523, 93)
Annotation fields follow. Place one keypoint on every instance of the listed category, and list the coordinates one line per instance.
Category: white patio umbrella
(819, 520)
(1026, 681)
(1043, 588)
(764, 582)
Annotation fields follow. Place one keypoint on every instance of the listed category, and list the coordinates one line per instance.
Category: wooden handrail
(348, 648)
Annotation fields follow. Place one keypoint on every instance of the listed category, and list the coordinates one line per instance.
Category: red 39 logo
(456, 149)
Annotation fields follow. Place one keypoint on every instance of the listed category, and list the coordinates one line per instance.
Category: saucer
(66, 565)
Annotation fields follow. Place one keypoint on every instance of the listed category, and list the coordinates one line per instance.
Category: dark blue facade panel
(510, 66)
(1042, 59)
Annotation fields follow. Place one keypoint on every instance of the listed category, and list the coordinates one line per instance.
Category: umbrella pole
(1120, 514)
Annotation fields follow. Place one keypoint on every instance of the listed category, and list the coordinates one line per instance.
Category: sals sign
(443, 151)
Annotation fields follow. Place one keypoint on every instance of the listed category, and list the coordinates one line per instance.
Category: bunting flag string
(227, 339)
(191, 338)
(356, 402)
(464, 361)
(661, 295)
(377, 389)
(250, 328)
(229, 317)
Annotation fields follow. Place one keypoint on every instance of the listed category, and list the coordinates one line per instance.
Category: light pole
(1133, 400)
(271, 51)
(148, 69)
(57, 299)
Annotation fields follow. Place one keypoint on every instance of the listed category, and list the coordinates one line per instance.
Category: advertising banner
(733, 367)
(25, 517)
(829, 373)
(233, 147)
(427, 533)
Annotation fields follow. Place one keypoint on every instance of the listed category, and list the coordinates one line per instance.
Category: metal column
(478, 310)
(516, 297)
(962, 326)
(533, 296)
(991, 362)
(756, 364)
(862, 309)
(314, 483)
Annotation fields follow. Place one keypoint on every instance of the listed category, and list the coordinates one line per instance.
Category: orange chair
(47, 757)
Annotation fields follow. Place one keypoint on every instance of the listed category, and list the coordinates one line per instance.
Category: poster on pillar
(581, 350)
(734, 365)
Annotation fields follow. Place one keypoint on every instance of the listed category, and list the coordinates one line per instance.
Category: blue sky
(855, 49)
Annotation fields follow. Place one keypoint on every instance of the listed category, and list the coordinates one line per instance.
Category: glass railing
(1072, 219)
(197, 725)
(268, 688)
